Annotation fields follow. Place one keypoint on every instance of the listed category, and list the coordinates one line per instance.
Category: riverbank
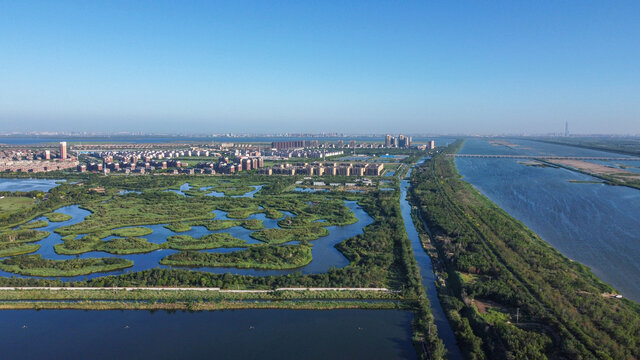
(133, 298)
(506, 292)
(608, 175)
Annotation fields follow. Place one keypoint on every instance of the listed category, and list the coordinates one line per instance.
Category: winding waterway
(324, 253)
(593, 223)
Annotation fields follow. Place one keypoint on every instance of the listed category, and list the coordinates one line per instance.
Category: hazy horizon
(358, 67)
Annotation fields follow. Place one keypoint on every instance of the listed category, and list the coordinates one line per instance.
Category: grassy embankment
(506, 292)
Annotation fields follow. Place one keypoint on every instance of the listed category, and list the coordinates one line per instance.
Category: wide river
(238, 334)
(593, 223)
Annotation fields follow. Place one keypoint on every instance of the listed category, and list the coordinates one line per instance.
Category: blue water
(229, 334)
(594, 224)
(183, 187)
(428, 277)
(186, 187)
(531, 147)
(27, 184)
(306, 189)
(324, 253)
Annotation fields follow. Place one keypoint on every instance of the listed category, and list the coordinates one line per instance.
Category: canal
(428, 277)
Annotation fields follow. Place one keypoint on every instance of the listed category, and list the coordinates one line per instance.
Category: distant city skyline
(357, 67)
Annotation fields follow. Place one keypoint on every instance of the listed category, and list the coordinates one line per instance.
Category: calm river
(238, 334)
(595, 224)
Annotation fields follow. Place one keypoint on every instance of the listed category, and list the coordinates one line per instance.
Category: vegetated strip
(203, 306)
(540, 304)
(54, 288)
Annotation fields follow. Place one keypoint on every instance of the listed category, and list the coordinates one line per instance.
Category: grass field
(10, 204)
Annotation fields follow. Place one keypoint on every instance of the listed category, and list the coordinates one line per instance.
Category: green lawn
(11, 204)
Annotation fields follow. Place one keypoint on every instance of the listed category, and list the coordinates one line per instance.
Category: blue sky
(298, 66)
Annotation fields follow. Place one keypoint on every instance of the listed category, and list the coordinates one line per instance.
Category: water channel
(428, 277)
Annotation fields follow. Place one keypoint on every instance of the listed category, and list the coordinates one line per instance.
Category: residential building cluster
(29, 160)
(400, 141)
(34, 166)
(149, 155)
(327, 168)
(278, 146)
(302, 153)
(225, 166)
(174, 166)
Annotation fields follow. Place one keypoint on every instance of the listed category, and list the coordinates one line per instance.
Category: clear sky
(312, 66)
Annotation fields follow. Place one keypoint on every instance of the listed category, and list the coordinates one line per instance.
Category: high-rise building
(63, 150)
(566, 128)
(432, 145)
(47, 154)
(387, 140)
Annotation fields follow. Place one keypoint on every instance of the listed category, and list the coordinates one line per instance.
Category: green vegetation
(128, 245)
(380, 257)
(17, 249)
(22, 236)
(210, 241)
(204, 306)
(213, 225)
(153, 208)
(273, 214)
(35, 224)
(57, 217)
(280, 236)
(73, 246)
(16, 242)
(14, 203)
(243, 213)
(120, 246)
(35, 265)
(256, 257)
(192, 295)
(549, 306)
(129, 232)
